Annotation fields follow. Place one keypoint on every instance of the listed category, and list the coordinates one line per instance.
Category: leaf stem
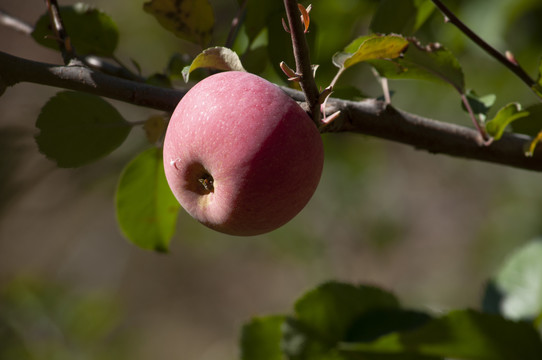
(302, 59)
(503, 59)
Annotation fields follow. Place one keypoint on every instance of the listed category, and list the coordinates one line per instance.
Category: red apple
(240, 155)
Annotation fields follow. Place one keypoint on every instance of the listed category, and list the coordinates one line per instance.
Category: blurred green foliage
(47, 321)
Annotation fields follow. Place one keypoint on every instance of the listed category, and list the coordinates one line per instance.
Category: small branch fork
(64, 41)
(304, 69)
(507, 59)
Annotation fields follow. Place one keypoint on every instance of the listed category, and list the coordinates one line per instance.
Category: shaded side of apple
(240, 155)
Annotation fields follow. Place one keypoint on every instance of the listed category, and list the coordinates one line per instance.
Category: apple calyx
(206, 180)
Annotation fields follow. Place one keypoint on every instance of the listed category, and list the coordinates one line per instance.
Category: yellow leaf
(533, 144)
(191, 20)
(378, 47)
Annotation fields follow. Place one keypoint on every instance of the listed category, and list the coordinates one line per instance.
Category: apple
(240, 155)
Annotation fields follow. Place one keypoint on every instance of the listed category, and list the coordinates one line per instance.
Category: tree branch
(368, 117)
(14, 70)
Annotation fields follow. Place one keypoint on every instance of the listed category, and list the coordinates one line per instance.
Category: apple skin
(240, 155)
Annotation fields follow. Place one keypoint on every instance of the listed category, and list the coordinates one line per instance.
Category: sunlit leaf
(216, 58)
(261, 338)
(146, 208)
(77, 128)
(372, 47)
(191, 20)
(432, 62)
(520, 281)
(463, 334)
(91, 31)
(511, 112)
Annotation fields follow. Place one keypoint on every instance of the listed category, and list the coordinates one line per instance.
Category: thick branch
(14, 70)
(368, 117)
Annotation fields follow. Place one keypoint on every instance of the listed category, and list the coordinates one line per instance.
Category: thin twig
(15, 24)
(236, 24)
(513, 66)
(302, 59)
(63, 40)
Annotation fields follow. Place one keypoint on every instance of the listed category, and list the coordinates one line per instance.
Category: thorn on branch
(285, 26)
(305, 18)
(292, 75)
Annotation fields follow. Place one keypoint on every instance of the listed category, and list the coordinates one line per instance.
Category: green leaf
(432, 62)
(425, 9)
(331, 309)
(261, 338)
(511, 112)
(191, 20)
(379, 322)
(480, 105)
(394, 16)
(520, 281)
(77, 128)
(531, 124)
(258, 14)
(372, 47)
(256, 59)
(91, 31)
(217, 58)
(492, 299)
(146, 208)
(401, 16)
(462, 334)
(176, 64)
